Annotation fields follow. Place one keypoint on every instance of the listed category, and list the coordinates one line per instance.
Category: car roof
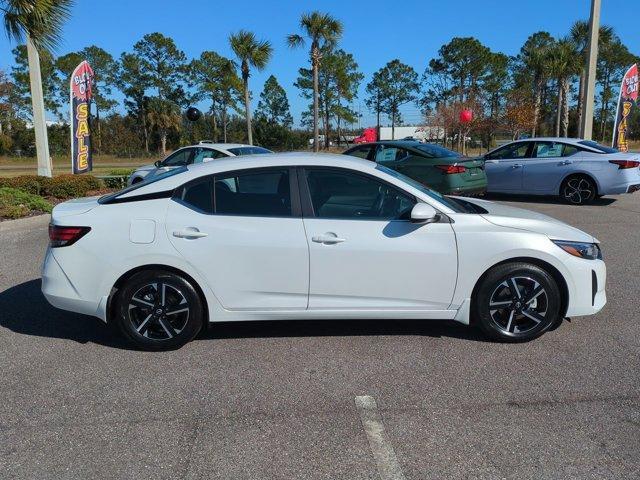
(397, 143)
(222, 146)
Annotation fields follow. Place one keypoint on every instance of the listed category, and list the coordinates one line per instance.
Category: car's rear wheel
(578, 190)
(517, 302)
(159, 310)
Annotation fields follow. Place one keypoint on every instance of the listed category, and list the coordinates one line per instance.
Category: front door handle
(328, 238)
(190, 232)
(516, 165)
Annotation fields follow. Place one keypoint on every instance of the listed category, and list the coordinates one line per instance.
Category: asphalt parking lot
(278, 399)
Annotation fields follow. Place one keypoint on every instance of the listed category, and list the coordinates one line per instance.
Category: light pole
(586, 125)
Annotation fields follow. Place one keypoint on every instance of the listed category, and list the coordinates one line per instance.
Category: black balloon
(193, 114)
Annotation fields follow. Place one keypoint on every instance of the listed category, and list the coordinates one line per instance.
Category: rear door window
(547, 150)
(387, 154)
(264, 192)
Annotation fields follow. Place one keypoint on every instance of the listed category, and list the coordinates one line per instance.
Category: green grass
(16, 203)
(102, 164)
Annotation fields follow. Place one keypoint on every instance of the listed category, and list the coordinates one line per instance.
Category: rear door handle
(566, 162)
(190, 232)
(329, 238)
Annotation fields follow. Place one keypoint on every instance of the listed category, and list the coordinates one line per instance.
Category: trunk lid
(77, 206)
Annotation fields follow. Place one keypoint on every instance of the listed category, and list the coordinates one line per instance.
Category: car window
(568, 150)
(239, 151)
(547, 150)
(207, 154)
(597, 146)
(514, 150)
(113, 197)
(390, 154)
(199, 196)
(346, 195)
(436, 151)
(360, 152)
(254, 192)
(181, 157)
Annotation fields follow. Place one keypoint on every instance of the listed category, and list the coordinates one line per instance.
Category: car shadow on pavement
(26, 311)
(341, 328)
(552, 200)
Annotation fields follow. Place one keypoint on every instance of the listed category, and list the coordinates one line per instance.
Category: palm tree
(323, 31)
(254, 53)
(535, 57)
(40, 24)
(564, 63)
(164, 115)
(580, 37)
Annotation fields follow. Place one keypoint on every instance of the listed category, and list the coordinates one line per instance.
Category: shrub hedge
(16, 203)
(61, 186)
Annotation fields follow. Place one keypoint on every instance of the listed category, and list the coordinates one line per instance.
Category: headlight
(589, 251)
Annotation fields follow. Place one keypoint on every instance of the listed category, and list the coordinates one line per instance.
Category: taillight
(451, 169)
(623, 164)
(60, 236)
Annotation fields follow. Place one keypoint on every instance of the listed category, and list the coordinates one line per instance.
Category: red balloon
(466, 116)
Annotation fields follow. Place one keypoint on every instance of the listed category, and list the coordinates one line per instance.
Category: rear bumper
(62, 293)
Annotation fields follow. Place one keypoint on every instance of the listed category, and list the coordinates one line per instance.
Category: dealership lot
(278, 400)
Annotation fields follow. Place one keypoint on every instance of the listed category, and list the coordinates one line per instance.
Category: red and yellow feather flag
(627, 98)
(80, 91)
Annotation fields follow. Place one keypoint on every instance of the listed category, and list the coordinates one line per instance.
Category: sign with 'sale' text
(627, 98)
(80, 92)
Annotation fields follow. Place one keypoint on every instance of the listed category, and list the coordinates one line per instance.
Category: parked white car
(204, 151)
(576, 170)
(303, 236)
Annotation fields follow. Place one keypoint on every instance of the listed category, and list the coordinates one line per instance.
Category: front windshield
(597, 146)
(112, 196)
(453, 204)
(436, 151)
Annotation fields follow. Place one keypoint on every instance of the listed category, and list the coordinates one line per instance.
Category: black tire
(517, 317)
(578, 190)
(159, 310)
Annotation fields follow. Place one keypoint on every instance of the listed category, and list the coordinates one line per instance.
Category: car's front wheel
(517, 302)
(159, 310)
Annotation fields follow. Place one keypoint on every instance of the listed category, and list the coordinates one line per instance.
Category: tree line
(536, 92)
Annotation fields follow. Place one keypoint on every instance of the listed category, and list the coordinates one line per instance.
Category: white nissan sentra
(304, 236)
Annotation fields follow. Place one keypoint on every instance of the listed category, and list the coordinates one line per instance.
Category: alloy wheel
(578, 190)
(518, 305)
(158, 311)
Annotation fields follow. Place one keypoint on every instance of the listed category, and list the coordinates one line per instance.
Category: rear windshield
(238, 151)
(111, 196)
(436, 151)
(597, 146)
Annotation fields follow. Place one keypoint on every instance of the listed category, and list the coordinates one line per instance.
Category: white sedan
(303, 236)
(203, 152)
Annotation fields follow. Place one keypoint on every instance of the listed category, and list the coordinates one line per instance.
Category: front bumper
(588, 295)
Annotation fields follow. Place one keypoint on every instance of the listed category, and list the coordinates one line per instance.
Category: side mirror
(157, 164)
(424, 213)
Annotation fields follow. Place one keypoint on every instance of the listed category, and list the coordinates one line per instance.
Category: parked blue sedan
(576, 170)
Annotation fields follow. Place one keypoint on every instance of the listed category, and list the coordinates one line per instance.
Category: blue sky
(375, 31)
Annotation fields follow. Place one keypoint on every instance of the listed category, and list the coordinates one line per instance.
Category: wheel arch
(553, 271)
(156, 266)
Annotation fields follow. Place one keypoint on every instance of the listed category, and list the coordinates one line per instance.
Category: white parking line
(388, 466)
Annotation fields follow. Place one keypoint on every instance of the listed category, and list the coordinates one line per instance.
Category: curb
(21, 223)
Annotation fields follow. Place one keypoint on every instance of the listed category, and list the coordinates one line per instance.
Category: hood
(506, 216)
(76, 206)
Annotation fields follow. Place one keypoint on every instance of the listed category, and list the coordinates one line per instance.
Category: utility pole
(37, 102)
(586, 125)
